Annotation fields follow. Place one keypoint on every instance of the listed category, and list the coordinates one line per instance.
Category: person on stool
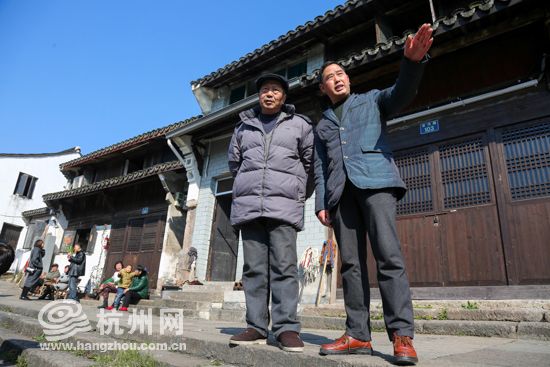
(108, 286)
(53, 274)
(61, 284)
(138, 290)
(357, 189)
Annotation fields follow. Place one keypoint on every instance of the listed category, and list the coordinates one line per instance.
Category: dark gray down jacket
(273, 177)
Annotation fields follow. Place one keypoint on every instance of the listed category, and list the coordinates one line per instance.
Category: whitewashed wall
(50, 179)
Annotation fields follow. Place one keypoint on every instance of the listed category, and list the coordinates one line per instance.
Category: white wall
(94, 262)
(50, 179)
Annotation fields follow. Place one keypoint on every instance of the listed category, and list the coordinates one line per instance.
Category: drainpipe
(175, 150)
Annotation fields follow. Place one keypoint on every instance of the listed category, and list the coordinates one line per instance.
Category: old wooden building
(473, 147)
(125, 202)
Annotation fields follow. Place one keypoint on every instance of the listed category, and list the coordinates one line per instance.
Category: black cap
(55, 265)
(281, 79)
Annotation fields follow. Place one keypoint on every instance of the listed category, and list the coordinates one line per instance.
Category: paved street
(208, 341)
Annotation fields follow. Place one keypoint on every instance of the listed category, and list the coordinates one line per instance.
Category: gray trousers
(270, 262)
(373, 212)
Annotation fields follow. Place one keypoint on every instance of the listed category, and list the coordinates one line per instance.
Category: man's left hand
(416, 48)
(126, 290)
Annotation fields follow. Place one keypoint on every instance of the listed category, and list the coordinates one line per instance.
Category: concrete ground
(207, 342)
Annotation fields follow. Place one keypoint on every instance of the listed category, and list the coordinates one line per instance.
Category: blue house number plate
(429, 127)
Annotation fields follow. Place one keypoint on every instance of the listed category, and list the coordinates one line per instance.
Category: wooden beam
(456, 44)
(432, 9)
(509, 25)
(108, 202)
(382, 25)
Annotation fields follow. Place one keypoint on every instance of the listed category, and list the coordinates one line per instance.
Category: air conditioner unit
(78, 182)
(181, 200)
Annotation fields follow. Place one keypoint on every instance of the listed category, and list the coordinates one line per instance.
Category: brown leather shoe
(346, 345)
(403, 351)
(290, 341)
(248, 337)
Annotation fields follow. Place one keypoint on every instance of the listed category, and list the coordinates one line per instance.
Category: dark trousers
(130, 295)
(72, 289)
(39, 283)
(270, 262)
(373, 212)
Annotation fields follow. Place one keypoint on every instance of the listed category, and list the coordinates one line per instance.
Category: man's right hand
(324, 217)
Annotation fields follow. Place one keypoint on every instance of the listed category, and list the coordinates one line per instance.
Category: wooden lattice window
(414, 169)
(527, 154)
(134, 235)
(149, 239)
(118, 234)
(464, 174)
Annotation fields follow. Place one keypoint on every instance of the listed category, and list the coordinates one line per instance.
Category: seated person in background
(124, 283)
(108, 286)
(61, 284)
(7, 255)
(53, 274)
(139, 288)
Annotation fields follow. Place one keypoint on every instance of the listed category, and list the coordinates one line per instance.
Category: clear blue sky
(93, 73)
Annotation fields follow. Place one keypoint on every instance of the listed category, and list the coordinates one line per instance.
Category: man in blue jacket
(357, 188)
(271, 159)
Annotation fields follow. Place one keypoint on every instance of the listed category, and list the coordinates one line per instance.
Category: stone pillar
(180, 225)
(172, 267)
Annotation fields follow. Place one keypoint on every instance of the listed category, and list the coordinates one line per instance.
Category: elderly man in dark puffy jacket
(357, 189)
(270, 157)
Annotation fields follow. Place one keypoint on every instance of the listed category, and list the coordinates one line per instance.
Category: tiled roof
(399, 42)
(129, 142)
(275, 43)
(116, 181)
(34, 212)
(35, 155)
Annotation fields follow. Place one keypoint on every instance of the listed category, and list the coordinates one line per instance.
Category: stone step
(166, 303)
(23, 328)
(221, 288)
(527, 315)
(227, 315)
(207, 339)
(26, 352)
(217, 297)
(501, 329)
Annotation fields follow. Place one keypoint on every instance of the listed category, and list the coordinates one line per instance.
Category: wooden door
(117, 237)
(471, 239)
(524, 154)
(137, 242)
(225, 243)
(10, 234)
(448, 221)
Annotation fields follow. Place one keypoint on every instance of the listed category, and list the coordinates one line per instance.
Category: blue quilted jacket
(356, 147)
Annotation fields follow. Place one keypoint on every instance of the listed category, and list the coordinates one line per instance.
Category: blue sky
(93, 73)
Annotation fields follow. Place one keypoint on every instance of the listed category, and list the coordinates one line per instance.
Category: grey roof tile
(115, 181)
(129, 142)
